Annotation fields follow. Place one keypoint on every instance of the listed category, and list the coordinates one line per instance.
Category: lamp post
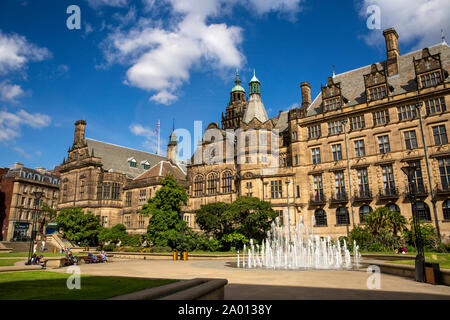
(344, 123)
(288, 211)
(420, 259)
(37, 201)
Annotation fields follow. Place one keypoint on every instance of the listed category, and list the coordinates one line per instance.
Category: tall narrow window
(444, 171)
(142, 196)
(383, 143)
(227, 179)
(340, 184)
(410, 139)
(388, 179)
(440, 135)
(315, 155)
(128, 199)
(276, 189)
(198, 186)
(360, 150)
(106, 190)
(337, 152)
(318, 187)
(446, 210)
(417, 181)
(212, 184)
(363, 182)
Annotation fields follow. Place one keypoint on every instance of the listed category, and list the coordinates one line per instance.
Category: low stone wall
(169, 256)
(388, 257)
(195, 289)
(405, 270)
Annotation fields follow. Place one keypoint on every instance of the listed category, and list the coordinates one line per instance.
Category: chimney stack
(80, 126)
(391, 37)
(18, 165)
(306, 94)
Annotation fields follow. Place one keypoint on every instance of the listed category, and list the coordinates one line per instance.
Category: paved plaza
(260, 284)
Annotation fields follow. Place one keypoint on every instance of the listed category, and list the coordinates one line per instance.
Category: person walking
(43, 244)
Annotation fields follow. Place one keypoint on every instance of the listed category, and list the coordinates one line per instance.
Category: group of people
(402, 250)
(102, 256)
(38, 260)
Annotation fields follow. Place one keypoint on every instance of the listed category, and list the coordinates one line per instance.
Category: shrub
(109, 247)
(429, 236)
(206, 244)
(159, 249)
(236, 240)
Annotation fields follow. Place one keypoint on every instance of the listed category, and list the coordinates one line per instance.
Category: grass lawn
(45, 285)
(442, 258)
(8, 262)
(45, 254)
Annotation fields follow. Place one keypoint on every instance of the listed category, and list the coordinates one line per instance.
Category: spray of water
(302, 250)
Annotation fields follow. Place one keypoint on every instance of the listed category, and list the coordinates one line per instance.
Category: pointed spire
(334, 73)
(443, 37)
(255, 85)
(237, 83)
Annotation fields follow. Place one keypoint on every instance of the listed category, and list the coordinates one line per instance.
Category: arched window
(321, 217)
(446, 209)
(393, 207)
(342, 216)
(212, 182)
(422, 211)
(198, 186)
(227, 180)
(363, 211)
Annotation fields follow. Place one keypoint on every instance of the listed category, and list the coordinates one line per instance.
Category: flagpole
(158, 138)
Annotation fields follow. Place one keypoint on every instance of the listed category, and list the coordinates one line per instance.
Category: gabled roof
(163, 168)
(352, 82)
(116, 158)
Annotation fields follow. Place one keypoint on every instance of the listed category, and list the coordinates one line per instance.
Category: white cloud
(162, 56)
(415, 20)
(111, 3)
(10, 92)
(151, 138)
(16, 52)
(10, 123)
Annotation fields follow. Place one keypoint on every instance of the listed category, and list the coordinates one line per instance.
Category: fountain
(303, 250)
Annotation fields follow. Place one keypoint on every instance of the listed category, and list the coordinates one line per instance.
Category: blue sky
(133, 63)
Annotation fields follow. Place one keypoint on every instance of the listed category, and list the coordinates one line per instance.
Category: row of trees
(227, 226)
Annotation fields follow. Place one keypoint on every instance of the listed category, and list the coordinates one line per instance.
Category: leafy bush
(206, 244)
(158, 249)
(236, 240)
(429, 236)
(109, 247)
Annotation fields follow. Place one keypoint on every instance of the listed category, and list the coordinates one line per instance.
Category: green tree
(79, 227)
(166, 226)
(49, 213)
(384, 219)
(114, 235)
(215, 219)
(253, 217)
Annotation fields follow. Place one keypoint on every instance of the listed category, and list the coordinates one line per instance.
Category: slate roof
(255, 109)
(163, 168)
(352, 82)
(116, 157)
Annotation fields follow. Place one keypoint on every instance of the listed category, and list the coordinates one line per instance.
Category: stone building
(340, 155)
(18, 201)
(113, 182)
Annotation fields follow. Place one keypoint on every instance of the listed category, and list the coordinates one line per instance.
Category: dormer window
(145, 164)
(430, 79)
(377, 93)
(132, 162)
(376, 84)
(332, 104)
(428, 69)
(331, 96)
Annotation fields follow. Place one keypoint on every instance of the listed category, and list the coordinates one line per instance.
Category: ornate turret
(255, 85)
(238, 92)
(172, 148)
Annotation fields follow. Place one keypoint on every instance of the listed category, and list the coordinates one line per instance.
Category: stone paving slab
(260, 284)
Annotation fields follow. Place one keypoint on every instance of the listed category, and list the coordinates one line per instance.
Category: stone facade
(111, 181)
(370, 113)
(18, 201)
